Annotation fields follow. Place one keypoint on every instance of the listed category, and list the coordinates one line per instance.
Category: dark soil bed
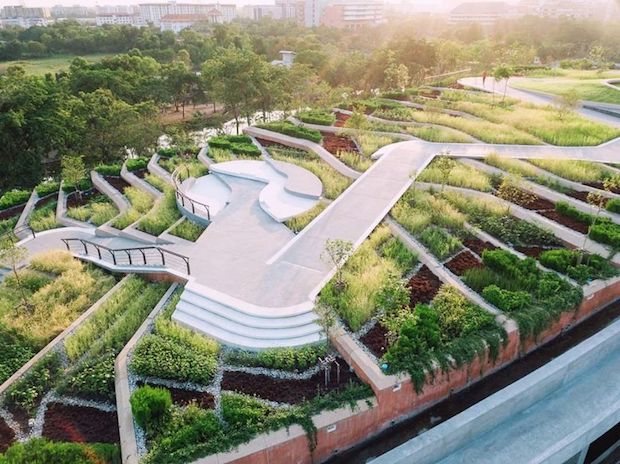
(45, 200)
(73, 201)
(463, 262)
(341, 119)
(141, 173)
(337, 143)
(536, 204)
(578, 195)
(21, 416)
(269, 143)
(566, 221)
(423, 286)
(478, 246)
(532, 251)
(80, 424)
(12, 211)
(7, 436)
(600, 186)
(288, 391)
(117, 182)
(376, 340)
(183, 397)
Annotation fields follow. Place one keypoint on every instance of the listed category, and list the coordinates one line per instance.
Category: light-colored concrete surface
(25, 216)
(119, 200)
(155, 169)
(546, 417)
(140, 184)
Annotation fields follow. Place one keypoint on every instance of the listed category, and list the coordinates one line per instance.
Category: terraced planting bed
(118, 183)
(79, 424)
(91, 206)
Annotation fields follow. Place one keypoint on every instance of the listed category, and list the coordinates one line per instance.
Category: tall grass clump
(298, 223)
(461, 175)
(141, 202)
(577, 171)
(370, 143)
(162, 216)
(188, 230)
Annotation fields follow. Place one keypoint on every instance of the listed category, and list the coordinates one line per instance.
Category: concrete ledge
(155, 169)
(60, 338)
(61, 212)
(104, 187)
(26, 212)
(140, 184)
(126, 426)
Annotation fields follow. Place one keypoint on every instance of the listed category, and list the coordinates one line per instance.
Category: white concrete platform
(279, 198)
(210, 190)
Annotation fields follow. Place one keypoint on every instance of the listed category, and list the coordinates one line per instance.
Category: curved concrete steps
(237, 327)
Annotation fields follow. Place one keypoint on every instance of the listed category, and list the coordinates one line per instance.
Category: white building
(483, 13)
(283, 10)
(119, 19)
(154, 12)
(22, 16)
(346, 14)
(287, 59)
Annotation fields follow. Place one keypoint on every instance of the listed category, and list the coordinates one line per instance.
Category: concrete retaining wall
(104, 187)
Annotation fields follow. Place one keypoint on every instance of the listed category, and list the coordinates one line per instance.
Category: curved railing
(13, 235)
(196, 207)
(138, 256)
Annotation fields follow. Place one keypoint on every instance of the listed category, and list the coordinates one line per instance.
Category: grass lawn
(42, 66)
(590, 89)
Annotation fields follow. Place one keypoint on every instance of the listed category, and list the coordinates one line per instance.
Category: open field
(43, 66)
(586, 89)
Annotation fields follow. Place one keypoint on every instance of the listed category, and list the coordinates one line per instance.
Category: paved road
(531, 97)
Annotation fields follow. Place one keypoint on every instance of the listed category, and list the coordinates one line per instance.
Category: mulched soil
(569, 222)
(183, 397)
(578, 195)
(532, 251)
(423, 286)
(456, 86)
(288, 391)
(269, 143)
(21, 416)
(79, 424)
(141, 173)
(13, 211)
(73, 201)
(376, 340)
(478, 246)
(117, 182)
(45, 200)
(336, 143)
(7, 436)
(462, 262)
(537, 203)
(600, 186)
(341, 119)
(430, 94)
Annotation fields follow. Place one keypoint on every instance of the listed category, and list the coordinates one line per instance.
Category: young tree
(503, 73)
(327, 318)
(512, 190)
(12, 256)
(566, 103)
(396, 77)
(445, 165)
(73, 171)
(336, 252)
(599, 201)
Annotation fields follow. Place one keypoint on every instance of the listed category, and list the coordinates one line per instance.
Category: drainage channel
(459, 402)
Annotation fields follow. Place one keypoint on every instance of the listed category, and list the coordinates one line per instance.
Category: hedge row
(288, 128)
(602, 230)
(323, 118)
(238, 144)
(14, 198)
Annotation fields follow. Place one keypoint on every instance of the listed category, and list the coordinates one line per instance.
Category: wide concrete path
(533, 97)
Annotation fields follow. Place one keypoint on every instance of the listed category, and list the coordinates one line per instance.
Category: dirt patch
(600, 186)
(341, 119)
(45, 200)
(376, 340)
(578, 195)
(183, 397)
(288, 391)
(463, 262)
(532, 251)
(79, 424)
(73, 201)
(12, 211)
(566, 221)
(140, 173)
(478, 246)
(423, 286)
(7, 436)
(536, 204)
(117, 182)
(269, 143)
(337, 143)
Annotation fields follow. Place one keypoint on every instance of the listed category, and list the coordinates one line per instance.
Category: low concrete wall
(25, 216)
(104, 187)
(60, 338)
(140, 184)
(61, 212)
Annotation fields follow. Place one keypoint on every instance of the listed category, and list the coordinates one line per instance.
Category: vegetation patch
(290, 129)
(188, 230)
(162, 216)
(298, 223)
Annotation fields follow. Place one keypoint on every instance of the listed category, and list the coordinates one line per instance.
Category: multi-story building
(345, 14)
(75, 11)
(154, 12)
(283, 9)
(483, 13)
(177, 22)
(119, 19)
(22, 16)
(581, 9)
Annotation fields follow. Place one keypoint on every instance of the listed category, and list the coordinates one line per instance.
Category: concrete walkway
(534, 97)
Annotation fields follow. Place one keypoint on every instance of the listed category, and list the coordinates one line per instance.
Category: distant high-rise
(345, 14)
(154, 12)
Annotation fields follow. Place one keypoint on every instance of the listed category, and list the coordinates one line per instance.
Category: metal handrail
(126, 251)
(183, 197)
(12, 234)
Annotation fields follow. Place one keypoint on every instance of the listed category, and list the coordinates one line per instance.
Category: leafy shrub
(566, 209)
(568, 262)
(613, 205)
(322, 118)
(290, 129)
(513, 231)
(82, 186)
(459, 317)
(109, 169)
(55, 262)
(288, 359)
(14, 198)
(188, 229)
(506, 300)
(156, 182)
(26, 392)
(47, 188)
(136, 164)
(162, 216)
(159, 357)
(42, 451)
(606, 232)
(523, 271)
(151, 407)
(44, 218)
(16, 351)
(168, 152)
(439, 242)
(245, 149)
